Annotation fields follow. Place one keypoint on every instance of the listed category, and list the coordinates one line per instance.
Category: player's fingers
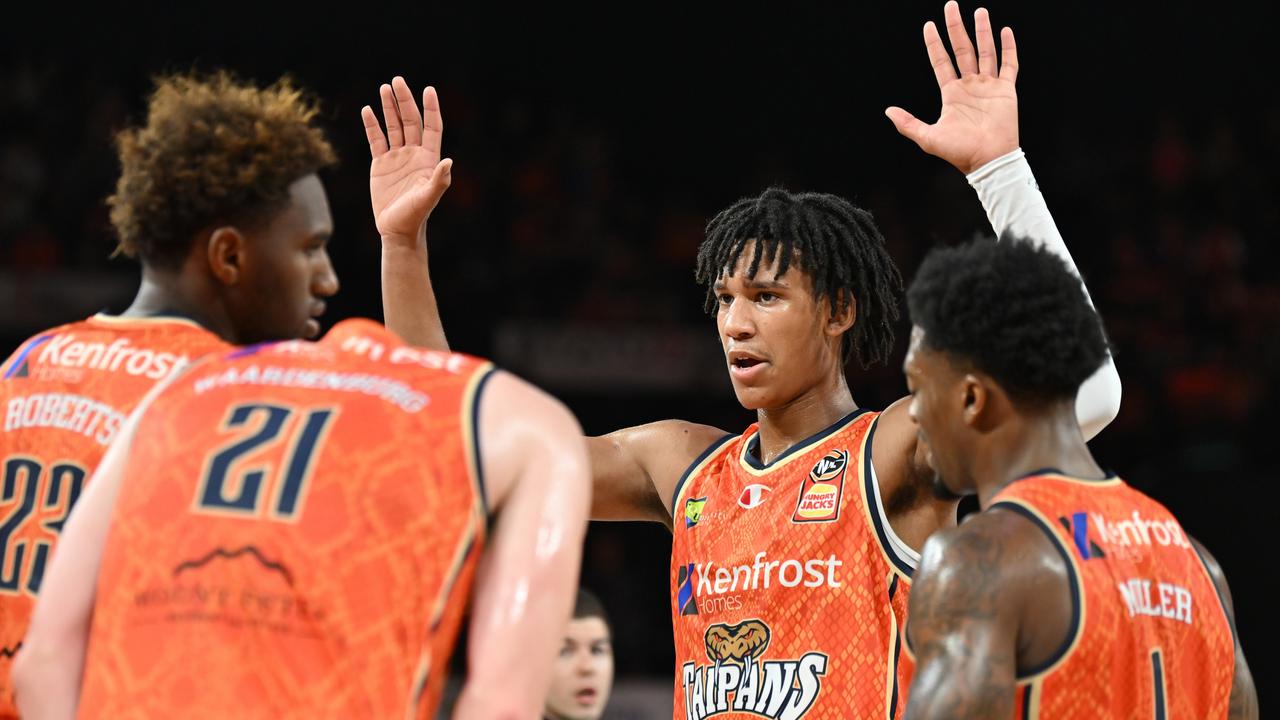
(938, 58)
(443, 174)
(966, 60)
(1008, 56)
(391, 116)
(907, 124)
(433, 120)
(986, 43)
(408, 107)
(373, 131)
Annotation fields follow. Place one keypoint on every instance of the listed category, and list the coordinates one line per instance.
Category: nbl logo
(821, 491)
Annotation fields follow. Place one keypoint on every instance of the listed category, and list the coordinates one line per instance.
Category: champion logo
(753, 496)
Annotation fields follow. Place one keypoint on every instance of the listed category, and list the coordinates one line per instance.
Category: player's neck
(1018, 448)
(172, 293)
(822, 405)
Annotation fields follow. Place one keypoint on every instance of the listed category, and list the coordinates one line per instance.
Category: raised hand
(979, 119)
(407, 176)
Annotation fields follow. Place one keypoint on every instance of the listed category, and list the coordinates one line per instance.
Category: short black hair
(588, 606)
(1012, 310)
(836, 244)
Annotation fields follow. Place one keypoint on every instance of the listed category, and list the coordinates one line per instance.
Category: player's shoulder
(146, 348)
(683, 441)
(1000, 544)
(44, 336)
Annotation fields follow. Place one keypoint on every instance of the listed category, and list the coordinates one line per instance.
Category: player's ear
(841, 315)
(225, 251)
(976, 397)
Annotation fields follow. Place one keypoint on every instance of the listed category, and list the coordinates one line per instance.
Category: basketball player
(795, 541)
(1071, 595)
(582, 675)
(219, 200)
(294, 530)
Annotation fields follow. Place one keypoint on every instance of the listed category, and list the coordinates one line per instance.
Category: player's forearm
(408, 298)
(526, 589)
(1015, 206)
(954, 688)
(1098, 399)
(46, 678)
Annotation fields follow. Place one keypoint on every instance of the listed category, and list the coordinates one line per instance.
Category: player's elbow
(24, 671)
(513, 703)
(39, 668)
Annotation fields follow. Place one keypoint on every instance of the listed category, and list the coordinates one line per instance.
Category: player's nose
(325, 283)
(738, 321)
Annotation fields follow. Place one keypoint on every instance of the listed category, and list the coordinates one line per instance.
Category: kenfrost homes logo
(708, 580)
(821, 491)
(66, 351)
(738, 680)
(1091, 532)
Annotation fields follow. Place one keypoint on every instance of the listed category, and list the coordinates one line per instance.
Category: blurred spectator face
(779, 340)
(583, 673)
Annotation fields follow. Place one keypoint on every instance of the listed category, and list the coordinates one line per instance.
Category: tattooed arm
(967, 623)
(1244, 696)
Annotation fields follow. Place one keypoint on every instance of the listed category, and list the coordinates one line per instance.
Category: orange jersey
(1150, 638)
(789, 587)
(296, 536)
(66, 393)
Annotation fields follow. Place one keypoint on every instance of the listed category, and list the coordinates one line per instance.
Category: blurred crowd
(560, 215)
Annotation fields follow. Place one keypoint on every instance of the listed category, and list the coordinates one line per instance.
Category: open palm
(407, 176)
(979, 118)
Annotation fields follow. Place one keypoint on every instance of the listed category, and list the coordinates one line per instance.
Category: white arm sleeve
(1014, 205)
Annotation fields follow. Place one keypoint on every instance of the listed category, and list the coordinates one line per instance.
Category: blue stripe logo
(684, 594)
(1080, 531)
(19, 366)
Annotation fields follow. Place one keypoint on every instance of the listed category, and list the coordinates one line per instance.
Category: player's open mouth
(746, 369)
(586, 696)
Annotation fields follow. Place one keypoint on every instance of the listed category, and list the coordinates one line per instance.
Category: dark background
(592, 146)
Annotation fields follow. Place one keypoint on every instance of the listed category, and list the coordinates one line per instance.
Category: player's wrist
(403, 242)
(994, 164)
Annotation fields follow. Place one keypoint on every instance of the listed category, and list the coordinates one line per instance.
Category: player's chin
(310, 329)
(753, 397)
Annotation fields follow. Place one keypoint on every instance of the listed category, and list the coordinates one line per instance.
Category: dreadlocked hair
(836, 244)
